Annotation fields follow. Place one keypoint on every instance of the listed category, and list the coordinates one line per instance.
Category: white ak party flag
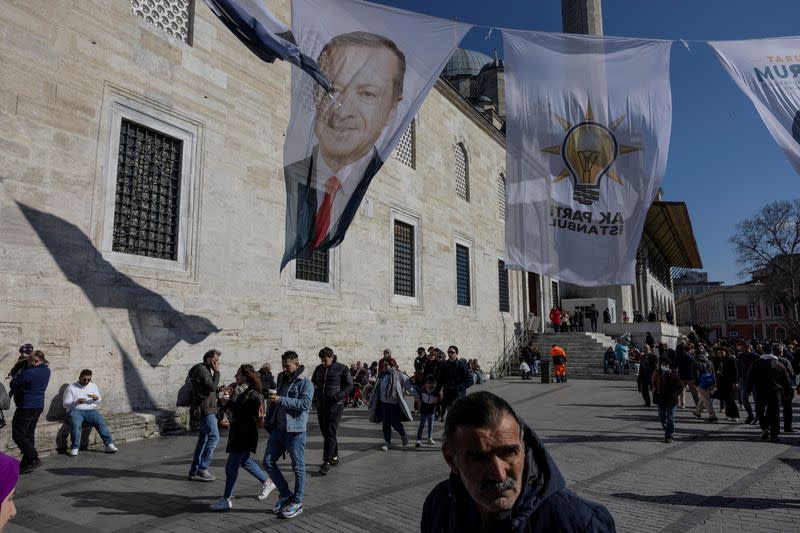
(588, 129)
(381, 64)
(768, 71)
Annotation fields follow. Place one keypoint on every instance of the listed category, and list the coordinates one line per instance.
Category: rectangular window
(316, 268)
(462, 276)
(554, 293)
(778, 310)
(404, 273)
(502, 272)
(766, 310)
(751, 310)
(147, 196)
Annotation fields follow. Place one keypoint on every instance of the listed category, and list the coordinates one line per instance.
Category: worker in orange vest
(559, 363)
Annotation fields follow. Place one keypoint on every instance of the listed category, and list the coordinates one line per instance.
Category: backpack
(186, 392)
(706, 380)
(5, 399)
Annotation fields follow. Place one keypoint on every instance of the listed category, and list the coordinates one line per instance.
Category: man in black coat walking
(332, 382)
(502, 478)
(453, 379)
(769, 381)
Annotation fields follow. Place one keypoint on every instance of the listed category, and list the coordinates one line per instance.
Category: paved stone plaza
(609, 447)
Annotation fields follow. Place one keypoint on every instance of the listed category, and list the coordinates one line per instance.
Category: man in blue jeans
(286, 422)
(205, 382)
(80, 400)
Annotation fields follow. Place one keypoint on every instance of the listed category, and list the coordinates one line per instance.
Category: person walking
(387, 404)
(559, 357)
(453, 379)
(286, 423)
(245, 407)
(427, 400)
(745, 357)
(769, 381)
(725, 368)
(80, 400)
(666, 385)
(332, 383)
(687, 372)
(555, 319)
(706, 387)
(786, 401)
(621, 354)
(205, 384)
(27, 388)
(649, 364)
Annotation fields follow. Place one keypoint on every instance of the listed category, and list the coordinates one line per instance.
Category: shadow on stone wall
(156, 325)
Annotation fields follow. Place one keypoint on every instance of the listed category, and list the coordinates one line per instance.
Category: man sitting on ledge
(502, 478)
(80, 401)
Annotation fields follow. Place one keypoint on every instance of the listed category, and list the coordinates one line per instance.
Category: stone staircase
(584, 353)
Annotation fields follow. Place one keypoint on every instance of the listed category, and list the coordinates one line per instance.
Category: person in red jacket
(559, 363)
(555, 319)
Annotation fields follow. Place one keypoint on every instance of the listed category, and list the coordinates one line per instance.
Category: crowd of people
(258, 399)
(729, 371)
(563, 321)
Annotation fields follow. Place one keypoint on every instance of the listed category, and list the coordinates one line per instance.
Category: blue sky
(723, 162)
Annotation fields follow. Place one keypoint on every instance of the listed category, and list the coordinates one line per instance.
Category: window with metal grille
(554, 293)
(501, 195)
(170, 16)
(405, 151)
(462, 275)
(315, 268)
(462, 172)
(147, 198)
(502, 272)
(403, 259)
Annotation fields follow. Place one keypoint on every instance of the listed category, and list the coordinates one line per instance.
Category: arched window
(405, 151)
(501, 195)
(462, 172)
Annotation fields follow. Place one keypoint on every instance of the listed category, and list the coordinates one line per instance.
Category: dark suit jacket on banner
(301, 207)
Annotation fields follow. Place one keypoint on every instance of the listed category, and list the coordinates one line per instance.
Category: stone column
(582, 16)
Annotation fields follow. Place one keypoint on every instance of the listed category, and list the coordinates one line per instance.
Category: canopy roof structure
(669, 229)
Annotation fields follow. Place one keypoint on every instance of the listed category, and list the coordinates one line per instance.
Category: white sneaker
(266, 489)
(110, 448)
(73, 452)
(431, 441)
(385, 447)
(224, 504)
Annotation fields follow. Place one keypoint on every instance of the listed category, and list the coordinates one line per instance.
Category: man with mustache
(324, 190)
(502, 478)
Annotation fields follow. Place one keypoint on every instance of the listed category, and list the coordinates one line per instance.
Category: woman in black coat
(725, 370)
(244, 406)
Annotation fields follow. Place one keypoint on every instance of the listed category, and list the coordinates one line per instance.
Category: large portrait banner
(381, 63)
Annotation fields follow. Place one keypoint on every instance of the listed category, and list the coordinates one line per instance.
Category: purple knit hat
(9, 474)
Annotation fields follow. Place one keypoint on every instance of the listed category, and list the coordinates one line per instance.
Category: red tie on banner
(324, 212)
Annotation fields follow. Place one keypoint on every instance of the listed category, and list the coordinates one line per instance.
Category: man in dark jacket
(420, 360)
(769, 381)
(649, 340)
(686, 366)
(667, 386)
(786, 401)
(205, 382)
(332, 382)
(745, 357)
(453, 379)
(28, 387)
(648, 365)
(593, 316)
(502, 478)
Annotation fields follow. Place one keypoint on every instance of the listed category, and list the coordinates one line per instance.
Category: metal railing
(509, 357)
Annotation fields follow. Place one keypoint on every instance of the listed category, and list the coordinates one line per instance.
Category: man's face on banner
(362, 80)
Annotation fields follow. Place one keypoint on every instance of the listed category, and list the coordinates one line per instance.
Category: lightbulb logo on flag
(589, 150)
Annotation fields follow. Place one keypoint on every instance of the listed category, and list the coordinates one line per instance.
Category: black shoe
(765, 435)
(324, 468)
(790, 430)
(667, 439)
(30, 467)
(749, 420)
(712, 420)
(334, 462)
